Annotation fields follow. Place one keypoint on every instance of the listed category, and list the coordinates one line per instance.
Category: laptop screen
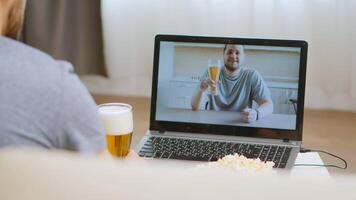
(226, 82)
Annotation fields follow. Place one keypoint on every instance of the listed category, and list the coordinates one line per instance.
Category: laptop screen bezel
(157, 125)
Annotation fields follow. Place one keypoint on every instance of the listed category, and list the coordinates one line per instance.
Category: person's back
(43, 103)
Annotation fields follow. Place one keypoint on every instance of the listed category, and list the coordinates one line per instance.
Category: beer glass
(118, 124)
(214, 71)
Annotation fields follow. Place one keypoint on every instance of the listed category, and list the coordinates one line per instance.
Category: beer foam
(116, 119)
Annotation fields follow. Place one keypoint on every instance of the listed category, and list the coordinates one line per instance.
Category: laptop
(254, 109)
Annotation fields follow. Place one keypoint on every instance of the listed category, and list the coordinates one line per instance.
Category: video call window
(222, 84)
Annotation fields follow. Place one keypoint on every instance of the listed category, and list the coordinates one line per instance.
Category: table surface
(27, 174)
(313, 172)
(280, 121)
(297, 172)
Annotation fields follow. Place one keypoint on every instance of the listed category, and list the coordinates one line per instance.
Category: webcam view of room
(228, 84)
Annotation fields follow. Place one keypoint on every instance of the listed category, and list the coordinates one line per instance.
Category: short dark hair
(243, 48)
(225, 47)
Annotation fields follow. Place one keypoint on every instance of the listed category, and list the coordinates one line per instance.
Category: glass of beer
(214, 71)
(118, 124)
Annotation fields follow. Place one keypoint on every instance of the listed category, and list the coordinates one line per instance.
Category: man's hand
(206, 83)
(249, 115)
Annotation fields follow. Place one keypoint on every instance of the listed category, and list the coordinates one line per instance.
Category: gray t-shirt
(43, 103)
(235, 93)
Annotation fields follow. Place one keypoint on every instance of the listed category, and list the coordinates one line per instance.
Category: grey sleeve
(260, 90)
(79, 122)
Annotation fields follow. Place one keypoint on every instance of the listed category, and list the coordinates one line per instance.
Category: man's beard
(232, 68)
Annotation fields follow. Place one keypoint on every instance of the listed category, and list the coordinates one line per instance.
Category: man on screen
(236, 87)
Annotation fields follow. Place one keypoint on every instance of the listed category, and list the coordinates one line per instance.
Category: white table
(42, 175)
(310, 172)
(280, 121)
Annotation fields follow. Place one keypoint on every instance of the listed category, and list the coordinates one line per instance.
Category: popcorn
(237, 163)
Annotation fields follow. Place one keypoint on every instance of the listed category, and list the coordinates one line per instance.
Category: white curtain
(328, 26)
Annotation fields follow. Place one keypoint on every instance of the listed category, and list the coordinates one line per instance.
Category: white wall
(328, 25)
(271, 62)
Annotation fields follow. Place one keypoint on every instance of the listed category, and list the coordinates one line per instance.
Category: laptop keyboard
(202, 150)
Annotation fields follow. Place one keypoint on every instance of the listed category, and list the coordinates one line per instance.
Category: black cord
(304, 150)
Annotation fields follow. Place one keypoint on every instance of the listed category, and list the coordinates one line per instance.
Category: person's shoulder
(66, 68)
(247, 71)
(250, 72)
(18, 50)
(27, 59)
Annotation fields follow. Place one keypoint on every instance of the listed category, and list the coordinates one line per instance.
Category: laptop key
(187, 157)
(213, 158)
(285, 157)
(157, 155)
(165, 155)
(278, 156)
(288, 150)
(282, 165)
(263, 157)
(256, 150)
(271, 153)
(145, 154)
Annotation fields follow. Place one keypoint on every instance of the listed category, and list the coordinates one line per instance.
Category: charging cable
(304, 150)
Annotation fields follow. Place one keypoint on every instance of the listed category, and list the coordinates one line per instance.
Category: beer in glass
(214, 71)
(118, 124)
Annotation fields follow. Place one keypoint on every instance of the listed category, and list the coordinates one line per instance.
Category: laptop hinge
(286, 140)
(161, 131)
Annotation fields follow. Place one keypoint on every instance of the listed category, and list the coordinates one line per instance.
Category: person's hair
(243, 48)
(12, 22)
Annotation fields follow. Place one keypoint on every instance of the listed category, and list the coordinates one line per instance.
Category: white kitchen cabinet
(281, 100)
(181, 92)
